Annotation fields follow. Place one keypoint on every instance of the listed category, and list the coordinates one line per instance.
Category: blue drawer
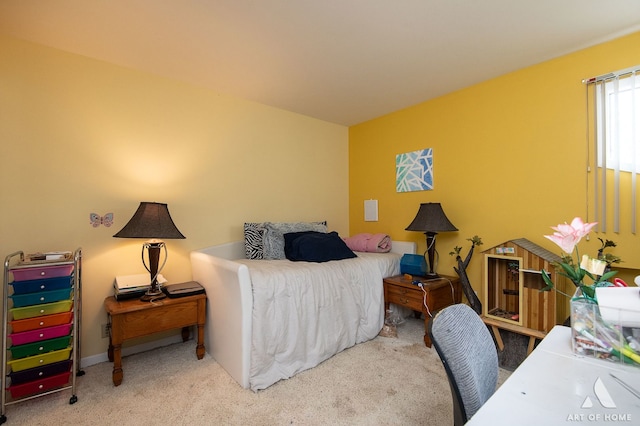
(21, 300)
(48, 284)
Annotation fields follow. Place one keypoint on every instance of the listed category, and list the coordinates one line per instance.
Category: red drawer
(42, 385)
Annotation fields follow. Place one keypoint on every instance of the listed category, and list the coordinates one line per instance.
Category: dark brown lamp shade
(431, 218)
(151, 220)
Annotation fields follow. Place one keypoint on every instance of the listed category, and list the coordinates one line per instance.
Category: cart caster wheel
(3, 419)
(73, 399)
(80, 373)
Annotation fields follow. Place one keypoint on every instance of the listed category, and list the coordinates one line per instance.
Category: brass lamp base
(152, 295)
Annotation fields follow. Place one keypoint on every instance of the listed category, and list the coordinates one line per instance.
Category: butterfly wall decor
(97, 220)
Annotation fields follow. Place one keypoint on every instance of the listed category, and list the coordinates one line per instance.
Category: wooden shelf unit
(512, 283)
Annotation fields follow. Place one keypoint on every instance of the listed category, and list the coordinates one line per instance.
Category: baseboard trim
(143, 347)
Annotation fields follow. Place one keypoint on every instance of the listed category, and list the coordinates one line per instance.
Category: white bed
(270, 319)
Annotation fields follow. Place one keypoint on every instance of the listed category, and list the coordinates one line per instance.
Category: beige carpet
(387, 381)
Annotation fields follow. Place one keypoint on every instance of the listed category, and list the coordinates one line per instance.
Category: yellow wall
(509, 158)
(81, 136)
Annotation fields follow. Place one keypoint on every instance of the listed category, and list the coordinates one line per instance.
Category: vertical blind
(615, 132)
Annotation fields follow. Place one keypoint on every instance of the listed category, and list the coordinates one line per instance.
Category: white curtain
(616, 127)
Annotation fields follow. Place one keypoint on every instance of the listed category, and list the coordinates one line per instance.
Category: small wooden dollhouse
(512, 281)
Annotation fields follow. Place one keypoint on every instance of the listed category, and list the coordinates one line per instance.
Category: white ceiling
(343, 61)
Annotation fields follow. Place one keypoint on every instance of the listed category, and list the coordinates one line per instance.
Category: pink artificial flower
(568, 236)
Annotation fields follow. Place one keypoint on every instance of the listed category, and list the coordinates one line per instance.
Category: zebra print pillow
(253, 245)
(254, 236)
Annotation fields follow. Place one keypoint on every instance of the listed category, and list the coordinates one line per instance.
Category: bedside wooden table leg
(117, 365)
(427, 339)
(200, 346)
(202, 315)
(185, 334)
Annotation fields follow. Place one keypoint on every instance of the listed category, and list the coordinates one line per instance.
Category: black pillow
(311, 246)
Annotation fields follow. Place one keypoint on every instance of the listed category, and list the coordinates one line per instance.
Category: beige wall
(81, 136)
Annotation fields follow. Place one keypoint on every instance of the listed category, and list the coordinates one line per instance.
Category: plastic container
(42, 347)
(594, 337)
(37, 386)
(21, 300)
(40, 372)
(44, 309)
(41, 272)
(48, 284)
(413, 264)
(39, 360)
(36, 323)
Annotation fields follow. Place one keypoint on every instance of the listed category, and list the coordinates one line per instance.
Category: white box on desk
(135, 282)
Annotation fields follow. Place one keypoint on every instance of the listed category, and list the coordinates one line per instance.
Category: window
(615, 134)
(619, 123)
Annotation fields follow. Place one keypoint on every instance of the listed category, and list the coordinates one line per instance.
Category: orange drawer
(35, 323)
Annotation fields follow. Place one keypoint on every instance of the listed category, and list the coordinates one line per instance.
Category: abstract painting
(414, 171)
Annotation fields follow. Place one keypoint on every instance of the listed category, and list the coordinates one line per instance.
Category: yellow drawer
(37, 360)
(43, 309)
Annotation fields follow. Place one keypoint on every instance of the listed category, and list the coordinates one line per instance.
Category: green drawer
(42, 347)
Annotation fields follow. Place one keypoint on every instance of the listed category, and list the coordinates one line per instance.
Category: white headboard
(235, 249)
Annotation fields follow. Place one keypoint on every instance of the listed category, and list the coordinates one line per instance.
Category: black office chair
(469, 356)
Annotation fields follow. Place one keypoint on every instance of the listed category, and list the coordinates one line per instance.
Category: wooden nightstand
(134, 318)
(438, 294)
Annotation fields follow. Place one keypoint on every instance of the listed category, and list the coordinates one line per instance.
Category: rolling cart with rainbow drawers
(41, 327)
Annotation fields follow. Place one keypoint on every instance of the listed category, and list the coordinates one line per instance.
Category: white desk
(551, 385)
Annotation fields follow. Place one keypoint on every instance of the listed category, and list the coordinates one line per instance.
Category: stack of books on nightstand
(133, 286)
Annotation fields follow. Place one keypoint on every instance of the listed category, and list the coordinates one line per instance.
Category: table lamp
(153, 221)
(431, 219)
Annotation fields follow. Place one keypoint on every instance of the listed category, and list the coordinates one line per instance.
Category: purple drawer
(40, 372)
(41, 272)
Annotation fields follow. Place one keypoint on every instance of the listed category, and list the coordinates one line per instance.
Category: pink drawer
(41, 272)
(41, 334)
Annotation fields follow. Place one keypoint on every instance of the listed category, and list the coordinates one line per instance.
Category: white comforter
(304, 313)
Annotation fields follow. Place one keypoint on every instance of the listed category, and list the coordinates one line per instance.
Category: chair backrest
(469, 356)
